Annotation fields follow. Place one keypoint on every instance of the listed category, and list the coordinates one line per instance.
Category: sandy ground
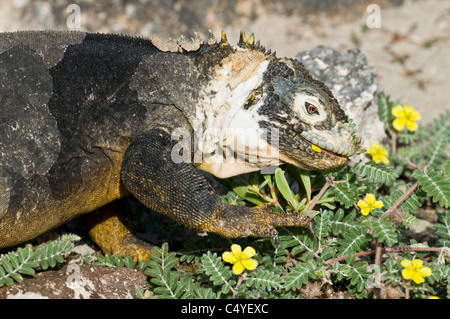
(410, 49)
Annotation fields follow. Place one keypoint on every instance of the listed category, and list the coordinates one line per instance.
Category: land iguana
(87, 119)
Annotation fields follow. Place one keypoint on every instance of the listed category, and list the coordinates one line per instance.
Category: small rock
(74, 281)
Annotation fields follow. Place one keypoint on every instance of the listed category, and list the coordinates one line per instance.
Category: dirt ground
(408, 44)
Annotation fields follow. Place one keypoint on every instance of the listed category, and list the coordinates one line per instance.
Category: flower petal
(236, 250)
(408, 108)
(370, 198)
(378, 204)
(407, 274)
(425, 271)
(406, 263)
(398, 111)
(250, 264)
(417, 263)
(362, 204)
(399, 124)
(366, 211)
(416, 116)
(229, 257)
(411, 125)
(417, 278)
(376, 158)
(248, 252)
(374, 148)
(238, 268)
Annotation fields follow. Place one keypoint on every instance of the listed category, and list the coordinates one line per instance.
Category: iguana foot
(236, 221)
(113, 232)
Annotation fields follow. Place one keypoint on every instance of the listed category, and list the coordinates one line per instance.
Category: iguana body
(86, 119)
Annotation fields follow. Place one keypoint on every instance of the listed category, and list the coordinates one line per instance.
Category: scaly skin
(87, 119)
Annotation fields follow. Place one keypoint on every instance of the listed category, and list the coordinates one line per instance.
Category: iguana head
(314, 132)
(295, 118)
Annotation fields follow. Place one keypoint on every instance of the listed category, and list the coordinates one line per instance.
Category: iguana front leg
(177, 190)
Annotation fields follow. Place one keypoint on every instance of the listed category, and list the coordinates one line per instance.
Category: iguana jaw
(314, 149)
(322, 158)
(337, 142)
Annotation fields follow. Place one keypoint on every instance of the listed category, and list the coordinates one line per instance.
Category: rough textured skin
(86, 119)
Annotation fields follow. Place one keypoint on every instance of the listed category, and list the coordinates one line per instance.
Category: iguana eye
(311, 109)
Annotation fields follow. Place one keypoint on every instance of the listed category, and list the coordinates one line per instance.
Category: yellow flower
(414, 270)
(405, 115)
(379, 153)
(240, 259)
(369, 204)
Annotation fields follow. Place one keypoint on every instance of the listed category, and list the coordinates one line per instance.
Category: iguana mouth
(337, 151)
(319, 149)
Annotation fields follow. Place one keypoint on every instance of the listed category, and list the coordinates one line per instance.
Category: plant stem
(320, 194)
(407, 289)
(393, 141)
(378, 253)
(399, 201)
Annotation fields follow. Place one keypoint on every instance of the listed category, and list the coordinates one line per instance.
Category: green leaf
(232, 198)
(304, 243)
(384, 231)
(322, 223)
(285, 190)
(436, 137)
(345, 193)
(358, 275)
(303, 178)
(340, 223)
(24, 260)
(355, 240)
(169, 283)
(385, 106)
(378, 173)
(436, 186)
(129, 262)
(298, 276)
(7, 265)
(436, 150)
(252, 191)
(443, 228)
(52, 253)
(265, 280)
(410, 220)
(447, 169)
(217, 272)
(409, 205)
(204, 293)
